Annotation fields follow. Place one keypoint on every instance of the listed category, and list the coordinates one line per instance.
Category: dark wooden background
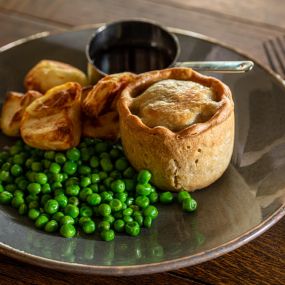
(245, 25)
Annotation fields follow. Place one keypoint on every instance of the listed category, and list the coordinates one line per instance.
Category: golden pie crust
(191, 157)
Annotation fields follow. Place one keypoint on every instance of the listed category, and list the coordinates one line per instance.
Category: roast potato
(105, 126)
(49, 73)
(52, 122)
(101, 97)
(13, 109)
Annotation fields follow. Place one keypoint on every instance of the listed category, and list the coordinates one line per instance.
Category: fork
(275, 53)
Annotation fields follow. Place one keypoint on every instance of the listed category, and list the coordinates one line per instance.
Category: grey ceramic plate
(246, 201)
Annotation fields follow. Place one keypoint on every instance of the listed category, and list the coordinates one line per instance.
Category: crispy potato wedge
(13, 109)
(105, 126)
(100, 98)
(49, 73)
(53, 120)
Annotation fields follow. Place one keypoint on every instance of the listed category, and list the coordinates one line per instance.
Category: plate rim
(156, 267)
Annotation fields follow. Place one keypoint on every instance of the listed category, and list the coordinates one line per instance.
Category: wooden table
(243, 24)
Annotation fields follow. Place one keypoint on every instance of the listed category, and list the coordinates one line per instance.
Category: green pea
(58, 191)
(115, 153)
(54, 168)
(22, 184)
(82, 220)
(33, 214)
(104, 210)
(85, 211)
(67, 230)
(19, 193)
(10, 188)
(67, 220)
(129, 172)
(103, 175)
(23, 209)
(108, 181)
(144, 176)
(89, 227)
(106, 196)
(128, 212)
(105, 155)
(50, 154)
(83, 194)
(36, 166)
(31, 176)
(15, 149)
(121, 164)
(71, 210)
(6, 166)
(31, 198)
(118, 186)
(153, 197)
(189, 205)
(70, 167)
(45, 189)
(182, 195)
(34, 204)
(4, 175)
(130, 184)
(1, 188)
(72, 181)
(72, 190)
(60, 158)
(85, 154)
(16, 170)
(4, 155)
(93, 199)
(116, 174)
(166, 197)
(57, 216)
(118, 215)
(95, 178)
(142, 201)
(143, 189)
(119, 225)
(116, 205)
(58, 177)
(19, 158)
(147, 222)
(106, 164)
(84, 170)
(107, 235)
(41, 178)
(85, 181)
(17, 201)
(51, 206)
(121, 196)
(101, 147)
(132, 228)
(73, 200)
(51, 226)
(110, 219)
(34, 188)
(41, 221)
(73, 154)
(128, 219)
(94, 162)
(130, 201)
(94, 188)
(104, 225)
(46, 163)
(150, 211)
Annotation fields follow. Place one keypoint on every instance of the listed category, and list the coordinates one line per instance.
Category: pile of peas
(92, 188)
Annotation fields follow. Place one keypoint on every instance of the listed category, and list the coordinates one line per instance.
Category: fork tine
(269, 57)
(281, 45)
(277, 55)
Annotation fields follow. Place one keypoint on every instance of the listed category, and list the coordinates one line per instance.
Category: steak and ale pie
(179, 124)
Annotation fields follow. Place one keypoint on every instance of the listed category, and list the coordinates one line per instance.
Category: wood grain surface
(242, 24)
